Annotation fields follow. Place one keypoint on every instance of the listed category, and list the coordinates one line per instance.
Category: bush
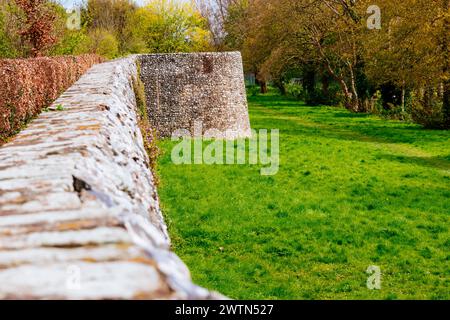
(295, 90)
(430, 117)
(394, 112)
(7, 49)
(101, 42)
(253, 90)
(334, 96)
(315, 97)
(29, 85)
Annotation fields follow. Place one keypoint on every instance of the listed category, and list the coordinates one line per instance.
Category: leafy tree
(171, 26)
(113, 16)
(101, 42)
(217, 13)
(69, 40)
(38, 25)
(411, 56)
(16, 27)
(10, 42)
(328, 42)
(274, 34)
(445, 47)
(5, 43)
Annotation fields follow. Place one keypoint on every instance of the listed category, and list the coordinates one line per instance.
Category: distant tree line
(111, 28)
(401, 70)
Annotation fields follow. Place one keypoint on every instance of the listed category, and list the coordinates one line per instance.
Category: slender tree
(446, 64)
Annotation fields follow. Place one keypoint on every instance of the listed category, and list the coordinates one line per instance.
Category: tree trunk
(325, 86)
(428, 97)
(446, 67)
(280, 85)
(309, 79)
(351, 96)
(262, 82)
(446, 104)
(403, 97)
(263, 85)
(354, 94)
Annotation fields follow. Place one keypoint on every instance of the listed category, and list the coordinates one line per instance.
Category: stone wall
(79, 212)
(205, 87)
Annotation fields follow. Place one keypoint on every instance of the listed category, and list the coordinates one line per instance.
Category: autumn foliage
(38, 25)
(386, 57)
(28, 85)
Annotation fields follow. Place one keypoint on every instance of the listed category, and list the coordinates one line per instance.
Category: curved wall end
(203, 93)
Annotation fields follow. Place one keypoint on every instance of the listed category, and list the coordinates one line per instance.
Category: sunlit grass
(352, 191)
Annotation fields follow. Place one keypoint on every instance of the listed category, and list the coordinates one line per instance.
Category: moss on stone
(148, 133)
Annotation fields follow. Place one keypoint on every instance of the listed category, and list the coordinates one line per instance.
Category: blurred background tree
(320, 51)
(37, 19)
(7, 49)
(111, 28)
(171, 26)
(325, 52)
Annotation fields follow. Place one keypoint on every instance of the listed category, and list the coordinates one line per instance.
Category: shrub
(315, 97)
(430, 117)
(38, 22)
(295, 90)
(101, 42)
(8, 33)
(253, 90)
(394, 112)
(29, 85)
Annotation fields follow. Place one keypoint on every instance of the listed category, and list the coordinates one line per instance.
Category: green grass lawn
(352, 191)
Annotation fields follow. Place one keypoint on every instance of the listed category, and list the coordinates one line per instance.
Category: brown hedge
(29, 85)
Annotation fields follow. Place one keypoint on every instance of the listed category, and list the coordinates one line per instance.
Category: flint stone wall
(183, 89)
(79, 212)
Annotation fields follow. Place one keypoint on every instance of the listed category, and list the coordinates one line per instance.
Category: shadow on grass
(442, 163)
(350, 115)
(345, 125)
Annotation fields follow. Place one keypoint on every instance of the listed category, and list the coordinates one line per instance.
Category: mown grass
(352, 191)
